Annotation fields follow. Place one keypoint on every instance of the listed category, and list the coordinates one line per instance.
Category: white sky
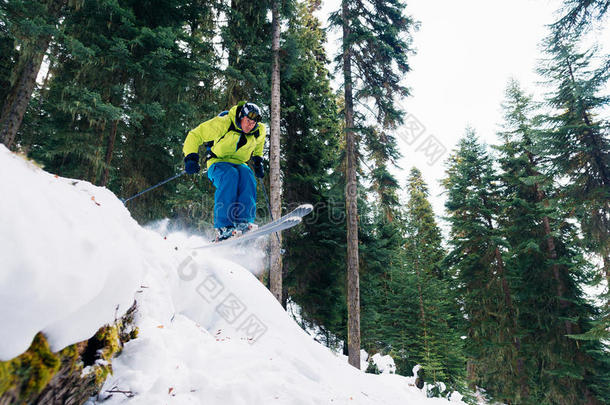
(466, 52)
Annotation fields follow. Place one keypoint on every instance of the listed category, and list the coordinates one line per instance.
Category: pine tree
(192, 203)
(8, 59)
(84, 96)
(439, 348)
(578, 15)
(410, 310)
(383, 153)
(351, 189)
(247, 43)
(548, 269)
(374, 55)
(162, 102)
(578, 144)
(381, 236)
(493, 346)
(33, 24)
(314, 259)
(121, 98)
(381, 241)
(275, 183)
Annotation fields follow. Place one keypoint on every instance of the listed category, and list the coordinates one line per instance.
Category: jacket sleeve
(260, 141)
(207, 131)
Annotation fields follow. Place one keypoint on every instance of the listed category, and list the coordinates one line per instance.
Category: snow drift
(72, 259)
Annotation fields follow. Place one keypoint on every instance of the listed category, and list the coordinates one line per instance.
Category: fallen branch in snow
(116, 390)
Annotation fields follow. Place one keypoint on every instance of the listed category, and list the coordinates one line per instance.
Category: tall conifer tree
(375, 36)
(438, 347)
(310, 151)
(546, 263)
(381, 234)
(33, 24)
(492, 344)
(275, 183)
(117, 107)
(578, 142)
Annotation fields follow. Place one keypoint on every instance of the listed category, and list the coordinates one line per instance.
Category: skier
(231, 139)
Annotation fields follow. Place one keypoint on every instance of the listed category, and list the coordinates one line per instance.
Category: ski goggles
(252, 111)
(254, 116)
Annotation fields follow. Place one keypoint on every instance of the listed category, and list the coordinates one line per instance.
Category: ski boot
(244, 227)
(224, 232)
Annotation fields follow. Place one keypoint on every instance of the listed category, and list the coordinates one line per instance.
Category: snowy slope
(72, 259)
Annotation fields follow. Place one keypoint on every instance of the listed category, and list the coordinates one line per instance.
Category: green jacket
(230, 143)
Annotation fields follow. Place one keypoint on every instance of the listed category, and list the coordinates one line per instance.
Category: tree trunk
(593, 141)
(351, 191)
(422, 311)
(95, 166)
(552, 251)
(606, 267)
(520, 361)
(471, 371)
(550, 245)
(19, 96)
(275, 184)
(550, 242)
(109, 153)
(521, 371)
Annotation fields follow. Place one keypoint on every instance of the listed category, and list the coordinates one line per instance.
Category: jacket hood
(233, 116)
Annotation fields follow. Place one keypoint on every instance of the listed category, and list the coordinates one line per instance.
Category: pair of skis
(289, 220)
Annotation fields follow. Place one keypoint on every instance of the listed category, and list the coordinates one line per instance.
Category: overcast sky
(466, 52)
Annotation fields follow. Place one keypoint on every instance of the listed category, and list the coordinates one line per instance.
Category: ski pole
(153, 187)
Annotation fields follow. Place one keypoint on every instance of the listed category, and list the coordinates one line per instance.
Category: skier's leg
(246, 195)
(225, 177)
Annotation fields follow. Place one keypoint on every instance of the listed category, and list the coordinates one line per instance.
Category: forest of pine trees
(501, 303)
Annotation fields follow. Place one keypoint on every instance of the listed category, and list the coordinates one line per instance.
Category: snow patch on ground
(72, 259)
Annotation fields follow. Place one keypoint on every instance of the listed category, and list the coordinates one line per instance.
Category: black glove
(259, 170)
(191, 163)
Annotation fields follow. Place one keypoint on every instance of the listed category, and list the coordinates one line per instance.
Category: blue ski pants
(235, 196)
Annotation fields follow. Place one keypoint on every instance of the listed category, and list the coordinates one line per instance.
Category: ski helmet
(251, 111)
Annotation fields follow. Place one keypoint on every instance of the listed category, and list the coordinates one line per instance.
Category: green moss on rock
(31, 371)
(7, 379)
(39, 365)
(40, 374)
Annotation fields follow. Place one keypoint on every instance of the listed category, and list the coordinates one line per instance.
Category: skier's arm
(260, 141)
(205, 132)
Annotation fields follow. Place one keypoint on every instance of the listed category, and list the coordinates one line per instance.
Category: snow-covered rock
(385, 364)
(71, 257)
